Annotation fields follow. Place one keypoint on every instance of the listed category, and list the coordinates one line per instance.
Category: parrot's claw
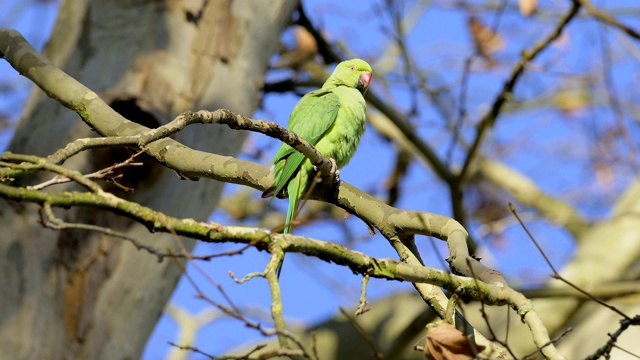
(330, 178)
(333, 177)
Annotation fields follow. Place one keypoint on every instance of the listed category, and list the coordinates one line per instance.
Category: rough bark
(75, 294)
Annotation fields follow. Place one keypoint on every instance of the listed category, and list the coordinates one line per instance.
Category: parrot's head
(355, 73)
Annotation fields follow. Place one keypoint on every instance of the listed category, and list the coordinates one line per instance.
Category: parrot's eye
(353, 68)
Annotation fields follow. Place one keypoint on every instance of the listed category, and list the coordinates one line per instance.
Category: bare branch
(608, 19)
(505, 94)
(398, 226)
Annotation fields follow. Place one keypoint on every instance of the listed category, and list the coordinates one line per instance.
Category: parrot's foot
(330, 177)
(333, 177)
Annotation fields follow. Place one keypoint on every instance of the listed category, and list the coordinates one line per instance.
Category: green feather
(333, 120)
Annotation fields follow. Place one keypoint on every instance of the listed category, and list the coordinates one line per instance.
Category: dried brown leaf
(487, 41)
(445, 342)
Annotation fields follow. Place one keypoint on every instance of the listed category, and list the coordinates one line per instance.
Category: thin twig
(608, 19)
(605, 350)
(237, 314)
(100, 174)
(362, 305)
(556, 274)
(193, 349)
(49, 220)
(551, 342)
(32, 162)
(613, 98)
(505, 94)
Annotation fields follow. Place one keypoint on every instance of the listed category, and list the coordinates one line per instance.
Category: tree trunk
(79, 294)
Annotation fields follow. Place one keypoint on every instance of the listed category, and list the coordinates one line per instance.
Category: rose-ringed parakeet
(332, 119)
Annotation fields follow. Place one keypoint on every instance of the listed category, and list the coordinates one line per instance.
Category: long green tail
(294, 189)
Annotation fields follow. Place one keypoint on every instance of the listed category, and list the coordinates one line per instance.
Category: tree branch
(396, 225)
(505, 94)
(493, 292)
(608, 19)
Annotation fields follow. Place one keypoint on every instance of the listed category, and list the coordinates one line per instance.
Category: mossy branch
(398, 226)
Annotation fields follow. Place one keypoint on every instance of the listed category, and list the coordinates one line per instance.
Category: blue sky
(549, 146)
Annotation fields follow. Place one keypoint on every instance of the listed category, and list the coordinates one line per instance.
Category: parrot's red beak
(365, 79)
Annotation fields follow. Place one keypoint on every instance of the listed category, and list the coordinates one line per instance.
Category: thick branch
(195, 164)
(392, 223)
(261, 239)
(493, 294)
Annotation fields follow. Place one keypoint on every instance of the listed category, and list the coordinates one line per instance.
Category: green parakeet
(332, 119)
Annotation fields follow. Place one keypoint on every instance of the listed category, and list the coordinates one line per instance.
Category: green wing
(311, 119)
